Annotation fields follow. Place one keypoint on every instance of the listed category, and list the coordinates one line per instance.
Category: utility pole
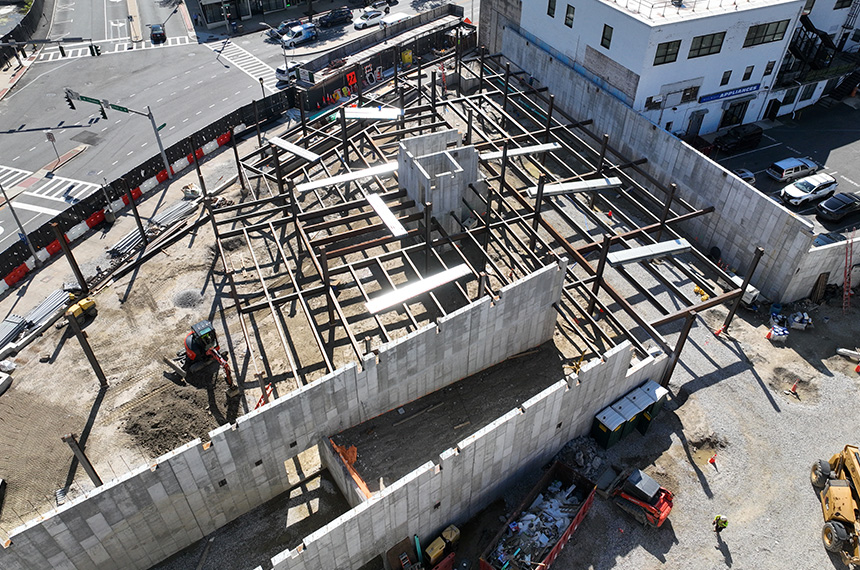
(104, 104)
(21, 233)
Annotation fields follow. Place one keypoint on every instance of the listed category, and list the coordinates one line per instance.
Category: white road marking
(37, 209)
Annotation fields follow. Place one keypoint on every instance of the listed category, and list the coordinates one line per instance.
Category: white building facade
(696, 66)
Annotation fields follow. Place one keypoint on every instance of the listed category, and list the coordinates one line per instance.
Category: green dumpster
(627, 410)
(657, 394)
(607, 427)
(642, 401)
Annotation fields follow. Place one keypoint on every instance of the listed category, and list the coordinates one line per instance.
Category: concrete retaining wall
(157, 510)
(743, 219)
(825, 259)
(463, 480)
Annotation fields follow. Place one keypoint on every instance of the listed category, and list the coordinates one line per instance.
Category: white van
(393, 19)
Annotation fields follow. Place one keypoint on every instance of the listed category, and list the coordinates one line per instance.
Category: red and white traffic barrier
(78, 230)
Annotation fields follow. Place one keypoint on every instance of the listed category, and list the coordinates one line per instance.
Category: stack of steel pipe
(46, 308)
(10, 328)
(171, 215)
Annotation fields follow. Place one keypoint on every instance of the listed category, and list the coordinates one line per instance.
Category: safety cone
(857, 369)
(793, 389)
(609, 214)
(769, 334)
(713, 459)
(719, 331)
(318, 106)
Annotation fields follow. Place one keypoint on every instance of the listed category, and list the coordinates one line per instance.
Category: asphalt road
(187, 82)
(831, 137)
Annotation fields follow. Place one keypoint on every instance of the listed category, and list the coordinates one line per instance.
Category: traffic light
(69, 101)
(62, 51)
(98, 50)
(102, 109)
(95, 50)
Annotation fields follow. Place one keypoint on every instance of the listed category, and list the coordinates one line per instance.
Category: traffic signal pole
(104, 104)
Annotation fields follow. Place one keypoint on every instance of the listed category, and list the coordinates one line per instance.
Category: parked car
(156, 34)
(807, 189)
(337, 16)
(392, 19)
(790, 169)
(738, 138)
(828, 238)
(300, 34)
(839, 206)
(369, 18)
(289, 72)
(744, 175)
(283, 28)
(380, 5)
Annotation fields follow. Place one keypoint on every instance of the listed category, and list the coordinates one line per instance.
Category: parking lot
(829, 136)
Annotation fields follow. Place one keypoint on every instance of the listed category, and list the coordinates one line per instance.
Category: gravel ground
(727, 397)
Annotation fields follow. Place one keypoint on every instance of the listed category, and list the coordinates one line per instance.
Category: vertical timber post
(67, 251)
(72, 442)
(538, 204)
(428, 230)
(598, 277)
(672, 188)
(679, 346)
(88, 350)
(133, 205)
(756, 258)
(238, 162)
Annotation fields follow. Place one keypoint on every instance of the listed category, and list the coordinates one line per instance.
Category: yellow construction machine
(81, 308)
(837, 482)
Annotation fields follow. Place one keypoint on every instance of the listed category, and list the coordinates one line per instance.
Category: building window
(748, 72)
(842, 4)
(768, 69)
(652, 103)
(706, 45)
(765, 33)
(568, 16)
(690, 94)
(808, 90)
(667, 52)
(606, 40)
(807, 8)
(790, 96)
(550, 8)
(726, 76)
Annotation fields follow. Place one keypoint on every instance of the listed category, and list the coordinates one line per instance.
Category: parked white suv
(288, 73)
(807, 189)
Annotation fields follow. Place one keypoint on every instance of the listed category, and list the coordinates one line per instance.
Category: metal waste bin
(658, 395)
(642, 401)
(629, 411)
(606, 428)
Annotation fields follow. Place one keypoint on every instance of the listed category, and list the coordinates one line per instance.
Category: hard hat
(723, 518)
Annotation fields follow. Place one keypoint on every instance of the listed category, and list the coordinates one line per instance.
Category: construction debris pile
(528, 540)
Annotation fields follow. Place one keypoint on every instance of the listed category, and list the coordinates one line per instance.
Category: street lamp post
(21, 231)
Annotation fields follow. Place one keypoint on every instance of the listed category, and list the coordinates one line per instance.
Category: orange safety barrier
(16, 275)
(136, 193)
(223, 139)
(95, 219)
(161, 177)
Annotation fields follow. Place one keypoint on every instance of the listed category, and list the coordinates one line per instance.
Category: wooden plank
(373, 113)
(578, 186)
(646, 252)
(496, 154)
(294, 149)
(386, 168)
(387, 216)
(412, 290)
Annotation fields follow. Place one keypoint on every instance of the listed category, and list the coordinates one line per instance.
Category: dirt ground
(727, 402)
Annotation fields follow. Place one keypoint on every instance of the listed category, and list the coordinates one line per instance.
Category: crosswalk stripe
(247, 63)
(120, 45)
